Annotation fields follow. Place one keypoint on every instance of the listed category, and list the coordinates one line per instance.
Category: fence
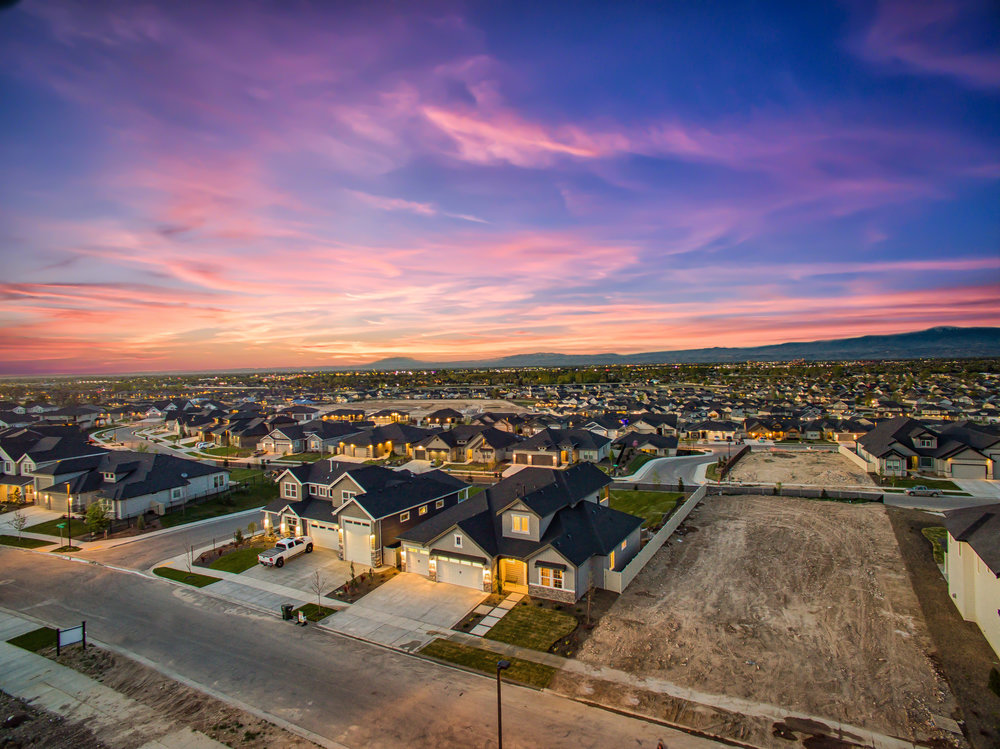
(733, 461)
(857, 459)
(618, 581)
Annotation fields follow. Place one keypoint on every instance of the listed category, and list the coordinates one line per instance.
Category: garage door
(357, 544)
(968, 471)
(466, 574)
(323, 535)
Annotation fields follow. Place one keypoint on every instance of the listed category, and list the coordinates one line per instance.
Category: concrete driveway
(298, 572)
(406, 612)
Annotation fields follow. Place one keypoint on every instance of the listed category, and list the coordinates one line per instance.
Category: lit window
(624, 544)
(458, 540)
(422, 510)
(551, 578)
(404, 517)
(520, 524)
(439, 504)
(611, 560)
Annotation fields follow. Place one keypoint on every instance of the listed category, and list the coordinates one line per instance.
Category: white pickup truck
(286, 548)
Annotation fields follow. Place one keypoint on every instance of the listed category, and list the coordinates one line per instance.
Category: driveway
(406, 612)
(298, 572)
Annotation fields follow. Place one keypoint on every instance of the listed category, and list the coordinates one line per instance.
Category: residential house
(545, 532)
(961, 451)
(555, 448)
(972, 566)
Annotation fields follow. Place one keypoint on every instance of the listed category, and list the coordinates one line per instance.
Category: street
(345, 690)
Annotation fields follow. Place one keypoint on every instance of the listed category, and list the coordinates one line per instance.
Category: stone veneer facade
(551, 594)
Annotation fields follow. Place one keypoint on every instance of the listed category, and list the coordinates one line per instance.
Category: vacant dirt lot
(807, 467)
(796, 603)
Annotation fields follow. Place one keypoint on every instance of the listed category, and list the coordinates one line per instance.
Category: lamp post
(501, 666)
(69, 519)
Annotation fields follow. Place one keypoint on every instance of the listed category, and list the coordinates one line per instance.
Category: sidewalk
(661, 686)
(113, 718)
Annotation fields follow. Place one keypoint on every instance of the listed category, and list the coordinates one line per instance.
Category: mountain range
(933, 343)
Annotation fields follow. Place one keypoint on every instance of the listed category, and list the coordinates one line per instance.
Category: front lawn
(256, 496)
(532, 627)
(227, 452)
(938, 537)
(638, 462)
(183, 576)
(237, 561)
(920, 481)
(248, 475)
(314, 613)
(23, 543)
(49, 528)
(305, 457)
(526, 672)
(649, 505)
(36, 640)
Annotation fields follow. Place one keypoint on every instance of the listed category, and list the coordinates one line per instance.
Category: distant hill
(934, 343)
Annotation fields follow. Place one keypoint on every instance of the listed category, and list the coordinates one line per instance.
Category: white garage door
(460, 573)
(968, 471)
(323, 535)
(357, 542)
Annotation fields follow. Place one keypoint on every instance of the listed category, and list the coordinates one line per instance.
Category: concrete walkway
(662, 686)
(113, 718)
(494, 614)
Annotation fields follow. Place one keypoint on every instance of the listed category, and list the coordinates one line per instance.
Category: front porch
(513, 576)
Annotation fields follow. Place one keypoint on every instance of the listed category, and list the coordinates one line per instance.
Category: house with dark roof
(545, 532)
(358, 510)
(23, 451)
(554, 448)
(128, 483)
(961, 450)
(972, 566)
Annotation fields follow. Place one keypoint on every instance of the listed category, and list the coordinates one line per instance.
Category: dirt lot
(796, 603)
(27, 726)
(820, 468)
(189, 707)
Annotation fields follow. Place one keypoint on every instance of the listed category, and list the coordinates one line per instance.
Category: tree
(96, 519)
(238, 538)
(316, 584)
(18, 522)
(251, 528)
(15, 495)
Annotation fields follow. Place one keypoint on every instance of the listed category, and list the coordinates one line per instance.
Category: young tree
(96, 519)
(238, 538)
(18, 522)
(15, 495)
(316, 584)
(251, 528)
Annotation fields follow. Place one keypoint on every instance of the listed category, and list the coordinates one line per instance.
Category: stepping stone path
(494, 614)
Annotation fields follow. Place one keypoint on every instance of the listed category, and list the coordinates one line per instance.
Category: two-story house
(545, 532)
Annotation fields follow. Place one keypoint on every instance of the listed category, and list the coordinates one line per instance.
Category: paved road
(670, 469)
(937, 504)
(146, 551)
(347, 691)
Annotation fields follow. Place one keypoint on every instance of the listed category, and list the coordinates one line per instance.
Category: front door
(514, 575)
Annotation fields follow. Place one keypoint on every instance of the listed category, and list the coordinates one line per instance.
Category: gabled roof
(980, 528)
(410, 491)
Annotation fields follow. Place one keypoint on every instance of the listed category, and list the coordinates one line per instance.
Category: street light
(501, 666)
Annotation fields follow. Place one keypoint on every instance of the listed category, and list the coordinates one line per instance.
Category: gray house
(543, 531)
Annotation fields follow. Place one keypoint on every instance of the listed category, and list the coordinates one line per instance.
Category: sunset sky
(219, 185)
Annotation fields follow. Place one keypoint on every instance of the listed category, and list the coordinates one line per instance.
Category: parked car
(204, 445)
(922, 491)
(286, 548)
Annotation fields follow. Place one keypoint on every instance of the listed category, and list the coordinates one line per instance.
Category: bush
(140, 522)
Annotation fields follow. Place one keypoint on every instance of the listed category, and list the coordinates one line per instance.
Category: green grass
(257, 496)
(237, 561)
(35, 640)
(183, 576)
(314, 613)
(712, 472)
(532, 627)
(305, 457)
(23, 543)
(526, 672)
(49, 528)
(929, 483)
(648, 505)
(244, 474)
(227, 452)
(938, 537)
(474, 490)
(65, 549)
(638, 462)
(465, 467)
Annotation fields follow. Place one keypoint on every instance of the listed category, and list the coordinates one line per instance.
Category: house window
(422, 510)
(404, 517)
(458, 540)
(551, 578)
(611, 560)
(8, 466)
(313, 489)
(346, 495)
(175, 494)
(291, 490)
(624, 544)
(439, 504)
(520, 524)
(324, 491)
